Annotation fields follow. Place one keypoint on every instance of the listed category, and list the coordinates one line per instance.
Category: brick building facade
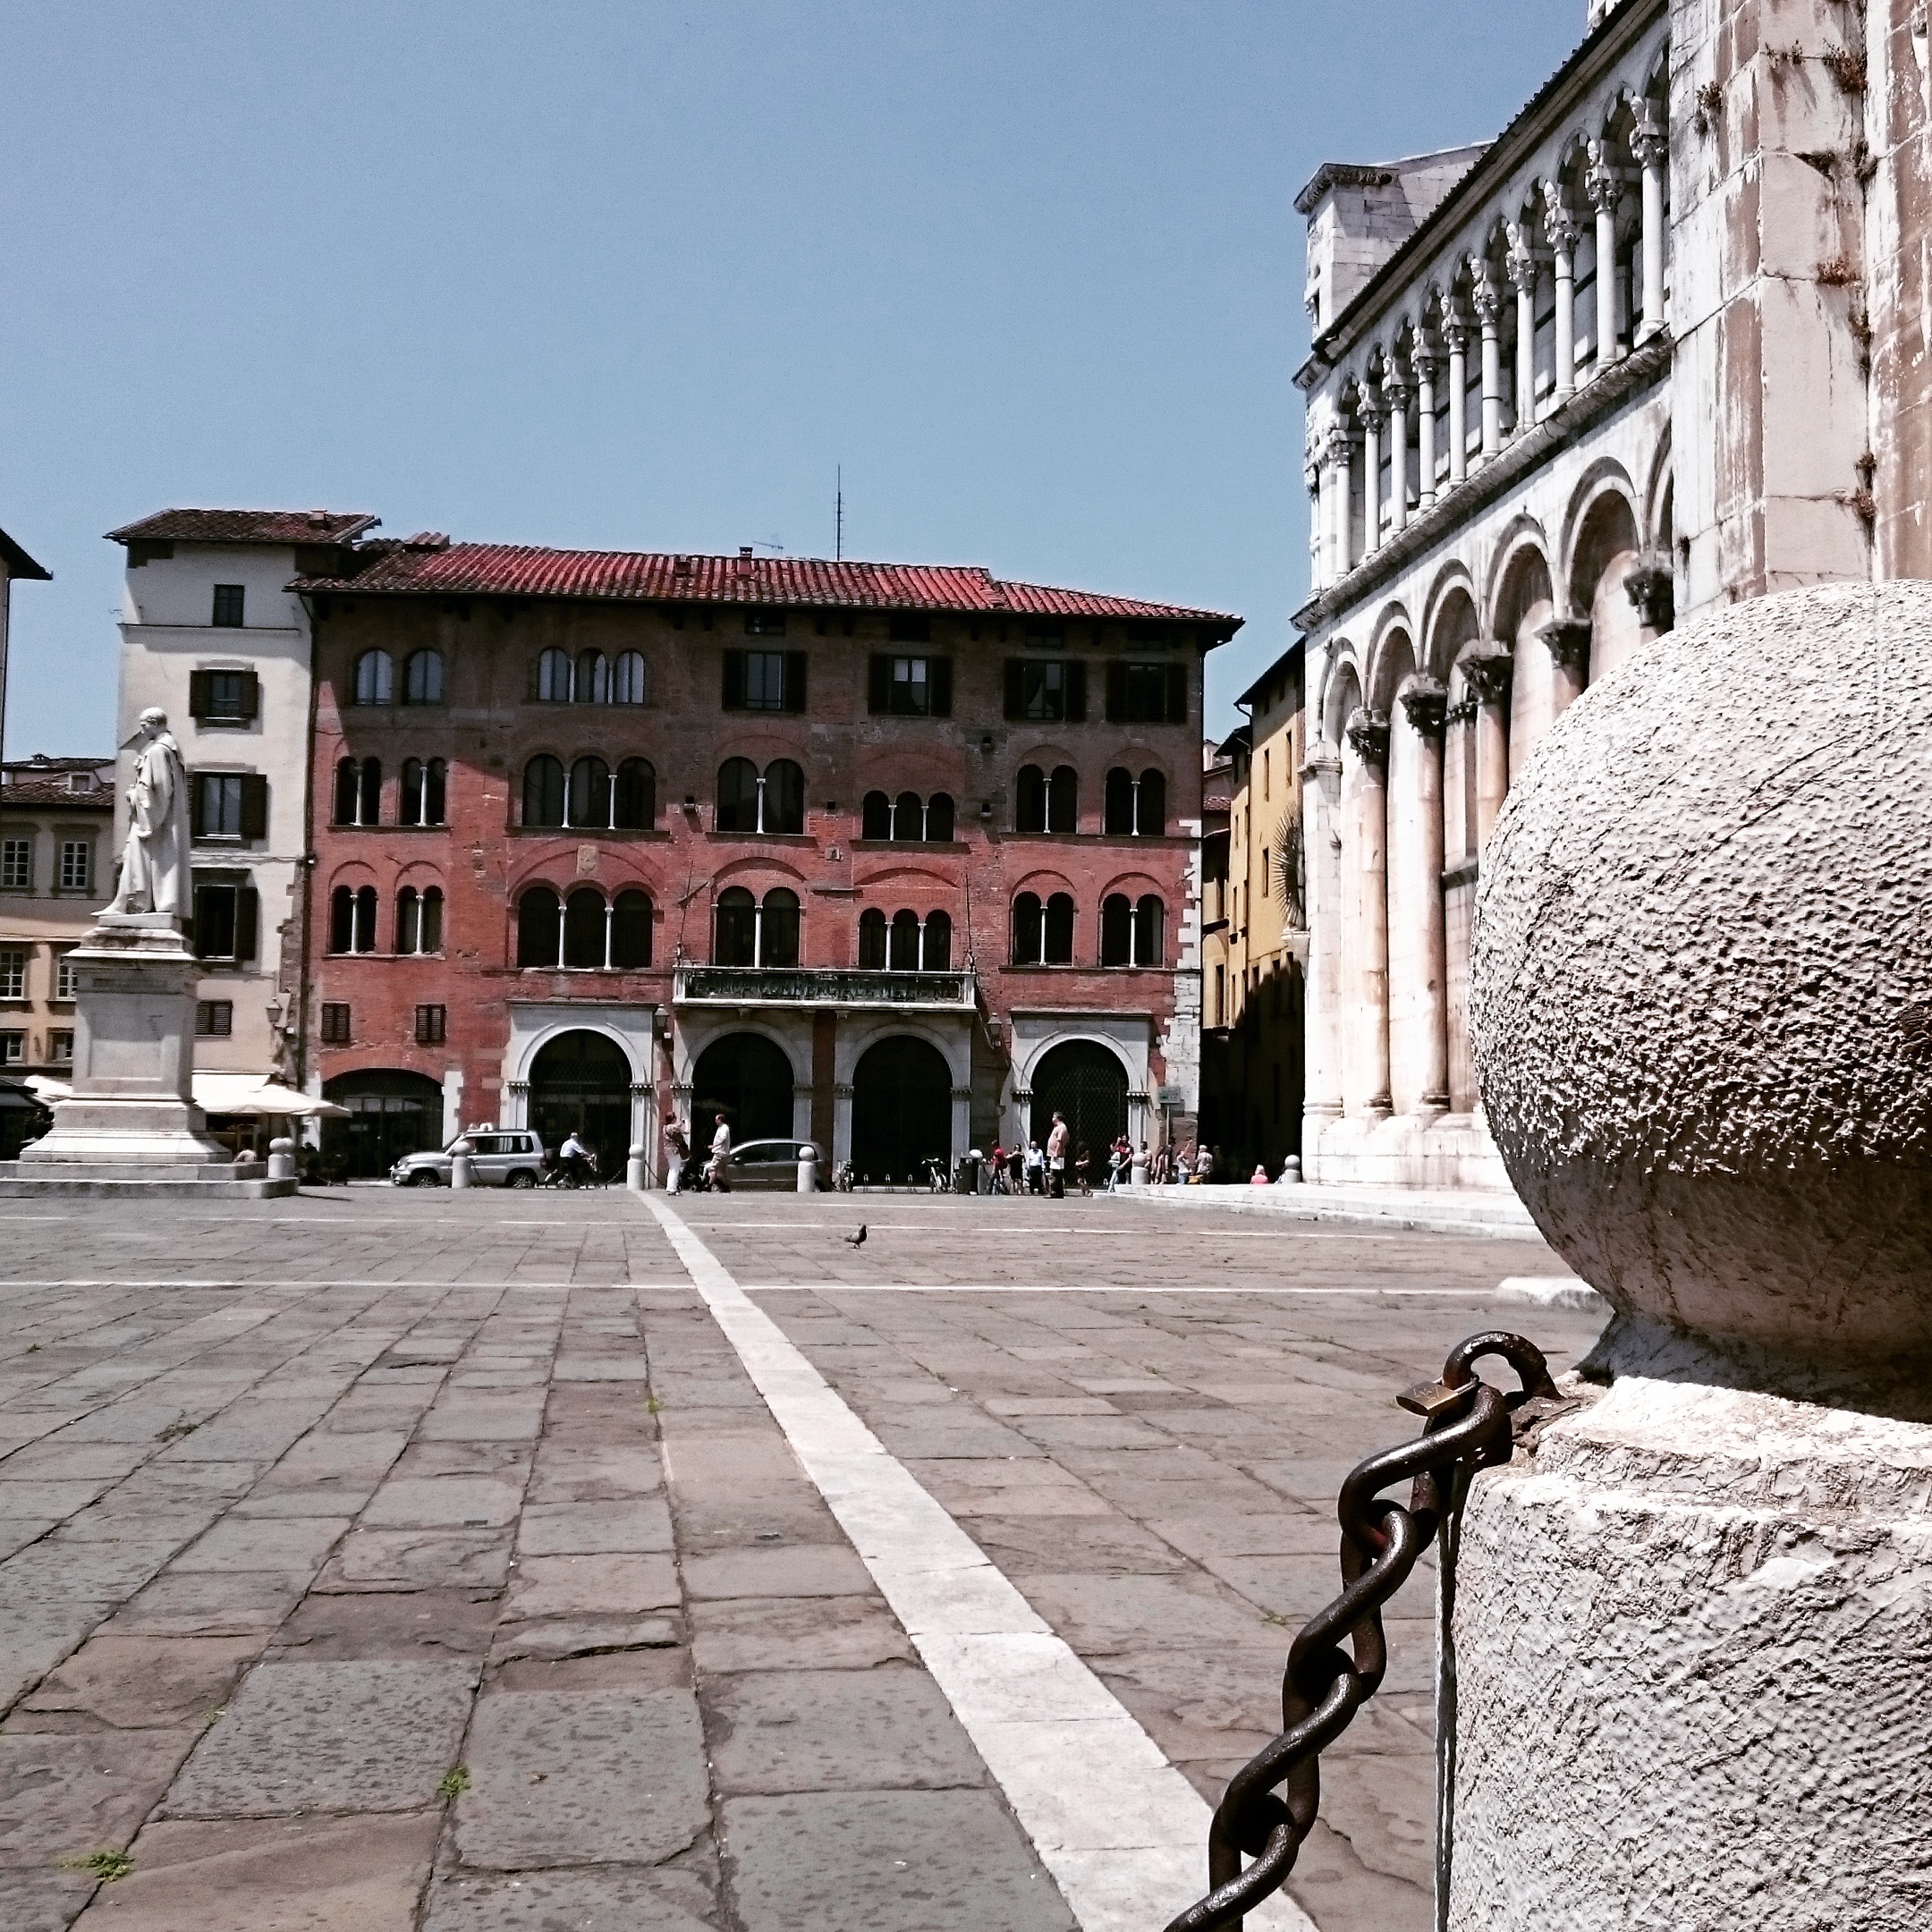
(896, 858)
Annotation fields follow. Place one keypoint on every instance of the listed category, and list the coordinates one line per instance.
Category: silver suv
(503, 1156)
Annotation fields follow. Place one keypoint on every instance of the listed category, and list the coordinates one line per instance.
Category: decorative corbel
(1368, 732)
(1487, 671)
(1652, 589)
(1568, 641)
(1427, 703)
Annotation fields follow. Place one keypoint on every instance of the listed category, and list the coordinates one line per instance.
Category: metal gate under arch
(1087, 1083)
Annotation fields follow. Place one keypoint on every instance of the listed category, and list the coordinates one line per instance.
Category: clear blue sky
(633, 275)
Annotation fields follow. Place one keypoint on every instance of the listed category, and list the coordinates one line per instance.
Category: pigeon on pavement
(858, 1240)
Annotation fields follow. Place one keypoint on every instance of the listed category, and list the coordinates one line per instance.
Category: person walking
(720, 1169)
(1056, 1157)
(677, 1151)
(1113, 1168)
(1083, 1172)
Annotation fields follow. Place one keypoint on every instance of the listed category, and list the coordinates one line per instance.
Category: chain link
(1467, 1426)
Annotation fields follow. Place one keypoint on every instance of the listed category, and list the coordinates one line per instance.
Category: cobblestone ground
(378, 1561)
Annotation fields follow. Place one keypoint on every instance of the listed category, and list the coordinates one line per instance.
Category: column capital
(1335, 448)
(1649, 145)
(1426, 701)
(1519, 260)
(1559, 219)
(1487, 671)
(1485, 297)
(1602, 185)
(1368, 732)
(1394, 390)
(1424, 355)
(1652, 589)
(1456, 328)
(1323, 761)
(1568, 641)
(1369, 410)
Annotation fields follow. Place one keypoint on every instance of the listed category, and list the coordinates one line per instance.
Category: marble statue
(155, 862)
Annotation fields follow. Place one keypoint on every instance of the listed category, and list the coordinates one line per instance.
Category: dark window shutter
(248, 918)
(879, 691)
(1116, 693)
(1076, 690)
(254, 806)
(939, 671)
(794, 681)
(1015, 689)
(1177, 694)
(195, 821)
(735, 681)
(250, 694)
(197, 694)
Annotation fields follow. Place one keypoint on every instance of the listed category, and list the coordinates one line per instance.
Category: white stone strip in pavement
(1122, 1831)
(750, 1224)
(1120, 1288)
(1552, 1291)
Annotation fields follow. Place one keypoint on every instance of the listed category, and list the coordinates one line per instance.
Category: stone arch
(1604, 477)
(1341, 691)
(579, 1079)
(1086, 1079)
(1450, 623)
(1658, 504)
(1608, 547)
(902, 1110)
(1393, 659)
(748, 1072)
(1523, 603)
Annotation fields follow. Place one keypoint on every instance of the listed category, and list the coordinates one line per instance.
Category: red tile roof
(515, 569)
(53, 794)
(245, 527)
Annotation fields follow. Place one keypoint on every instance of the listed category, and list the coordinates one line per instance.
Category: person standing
(1036, 1168)
(677, 1151)
(1056, 1157)
(721, 1154)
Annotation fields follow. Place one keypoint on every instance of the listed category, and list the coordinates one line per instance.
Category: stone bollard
(462, 1172)
(1684, 1672)
(282, 1160)
(635, 1175)
(1291, 1172)
(1137, 1173)
(808, 1171)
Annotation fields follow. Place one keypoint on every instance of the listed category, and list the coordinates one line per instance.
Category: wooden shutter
(1177, 683)
(1015, 688)
(197, 694)
(1076, 690)
(878, 695)
(794, 681)
(250, 694)
(939, 673)
(1116, 693)
(735, 681)
(247, 919)
(254, 805)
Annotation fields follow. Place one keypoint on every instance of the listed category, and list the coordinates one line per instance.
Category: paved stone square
(383, 1561)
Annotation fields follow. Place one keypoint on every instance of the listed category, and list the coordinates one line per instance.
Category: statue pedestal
(131, 1124)
(1689, 1643)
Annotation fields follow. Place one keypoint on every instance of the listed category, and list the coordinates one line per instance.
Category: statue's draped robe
(155, 862)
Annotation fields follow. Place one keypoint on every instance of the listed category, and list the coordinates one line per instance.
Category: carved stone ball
(1701, 996)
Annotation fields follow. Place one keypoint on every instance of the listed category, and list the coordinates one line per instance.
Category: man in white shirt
(721, 1154)
(575, 1158)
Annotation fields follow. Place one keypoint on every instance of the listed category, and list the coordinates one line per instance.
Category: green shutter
(250, 694)
(197, 694)
(248, 918)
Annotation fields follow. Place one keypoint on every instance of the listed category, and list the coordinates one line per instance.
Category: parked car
(502, 1157)
(768, 1165)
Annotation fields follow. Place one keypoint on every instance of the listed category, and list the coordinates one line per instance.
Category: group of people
(1034, 1169)
(714, 1175)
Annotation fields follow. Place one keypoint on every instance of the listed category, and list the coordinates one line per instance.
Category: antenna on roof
(838, 514)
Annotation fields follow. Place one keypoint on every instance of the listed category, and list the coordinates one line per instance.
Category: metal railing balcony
(821, 985)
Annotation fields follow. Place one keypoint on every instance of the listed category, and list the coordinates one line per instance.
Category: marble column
(1396, 396)
(1488, 670)
(1425, 703)
(1311, 477)
(1455, 339)
(1321, 844)
(1650, 147)
(1600, 183)
(1560, 230)
(1422, 363)
(1487, 300)
(1369, 414)
(1341, 490)
(1365, 802)
(1522, 265)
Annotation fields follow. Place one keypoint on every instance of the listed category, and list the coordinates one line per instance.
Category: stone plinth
(130, 1123)
(1694, 1637)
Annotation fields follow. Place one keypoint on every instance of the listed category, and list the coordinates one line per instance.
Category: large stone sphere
(1701, 996)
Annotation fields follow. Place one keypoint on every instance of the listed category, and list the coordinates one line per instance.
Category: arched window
(538, 918)
(553, 677)
(1063, 801)
(737, 804)
(423, 790)
(784, 798)
(909, 816)
(343, 935)
(432, 919)
(589, 798)
(630, 931)
(1150, 805)
(375, 678)
(736, 944)
(939, 819)
(872, 935)
(875, 818)
(422, 678)
(1056, 943)
(778, 928)
(904, 956)
(543, 791)
(627, 678)
(369, 792)
(583, 927)
(1150, 931)
(348, 790)
(1029, 810)
(1116, 931)
(634, 799)
(1119, 818)
(593, 678)
(1026, 930)
(937, 956)
(420, 920)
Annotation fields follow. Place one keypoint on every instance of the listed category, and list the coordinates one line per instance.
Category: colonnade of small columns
(1394, 382)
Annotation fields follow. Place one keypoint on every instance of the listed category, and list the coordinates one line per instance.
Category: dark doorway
(748, 1079)
(901, 1111)
(391, 1113)
(1087, 1083)
(581, 1081)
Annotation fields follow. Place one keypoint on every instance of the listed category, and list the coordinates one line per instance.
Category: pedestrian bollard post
(463, 1173)
(282, 1160)
(807, 1170)
(634, 1177)
(1137, 1172)
(1291, 1172)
